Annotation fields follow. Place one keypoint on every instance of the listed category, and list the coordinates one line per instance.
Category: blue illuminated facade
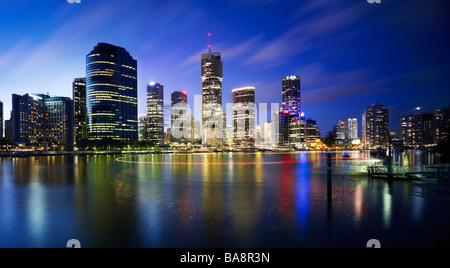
(111, 93)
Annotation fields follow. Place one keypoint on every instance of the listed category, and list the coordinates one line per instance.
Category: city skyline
(333, 75)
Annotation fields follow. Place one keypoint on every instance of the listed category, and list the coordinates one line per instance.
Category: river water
(213, 200)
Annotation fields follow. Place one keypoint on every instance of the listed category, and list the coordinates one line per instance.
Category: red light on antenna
(209, 34)
(184, 93)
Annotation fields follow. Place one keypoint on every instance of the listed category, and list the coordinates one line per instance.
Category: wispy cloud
(304, 37)
(228, 52)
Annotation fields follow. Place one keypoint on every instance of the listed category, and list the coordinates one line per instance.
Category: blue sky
(349, 53)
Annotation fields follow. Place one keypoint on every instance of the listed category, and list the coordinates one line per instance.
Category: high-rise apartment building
(292, 129)
(9, 129)
(111, 94)
(142, 127)
(41, 118)
(442, 124)
(352, 129)
(341, 130)
(81, 117)
(59, 121)
(155, 113)
(28, 118)
(244, 112)
(181, 121)
(418, 129)
(312, 132)
(376, 126)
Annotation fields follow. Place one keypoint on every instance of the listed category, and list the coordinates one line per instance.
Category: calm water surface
(223, 200)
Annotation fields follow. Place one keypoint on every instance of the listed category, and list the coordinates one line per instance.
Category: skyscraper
(244, 115)
(111, 86)
(212, 112)
(291, 94)
(181, 121)
(418, 129)
(155, 113)
(352, 129)
(376, 125)
(81, 118)
(442, 121)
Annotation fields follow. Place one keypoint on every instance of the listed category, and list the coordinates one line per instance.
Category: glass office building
(111, 94)
(291, 94)
(213, 120)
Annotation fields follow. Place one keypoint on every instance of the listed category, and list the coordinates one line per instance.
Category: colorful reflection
(45, 201)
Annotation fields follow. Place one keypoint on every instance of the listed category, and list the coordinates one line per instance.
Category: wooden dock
(439, 172)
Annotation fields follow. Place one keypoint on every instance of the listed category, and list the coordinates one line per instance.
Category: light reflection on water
(45, 201)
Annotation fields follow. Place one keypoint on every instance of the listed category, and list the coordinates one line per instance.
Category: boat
(346, 155)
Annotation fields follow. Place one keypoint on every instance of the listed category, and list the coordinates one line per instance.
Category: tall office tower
(442, 121)
(1, 120)
(111, 86)
(312, 132)
(59, 118)
(181, 121)
(283, 118)
(418, 129)
(28, 118)
(142, 127)
(81, 118)
(292, 129)
(244, 112)
(291, 94)
(352, 129)
(155, 113)
(212, 112)
(341, 130)
(376, 125)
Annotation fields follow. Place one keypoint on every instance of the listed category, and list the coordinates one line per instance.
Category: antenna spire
(209, 42)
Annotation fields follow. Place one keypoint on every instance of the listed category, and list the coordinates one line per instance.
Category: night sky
(349, 53)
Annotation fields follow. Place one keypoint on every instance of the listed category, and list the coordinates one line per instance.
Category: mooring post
(390, 168)
(330, 175)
